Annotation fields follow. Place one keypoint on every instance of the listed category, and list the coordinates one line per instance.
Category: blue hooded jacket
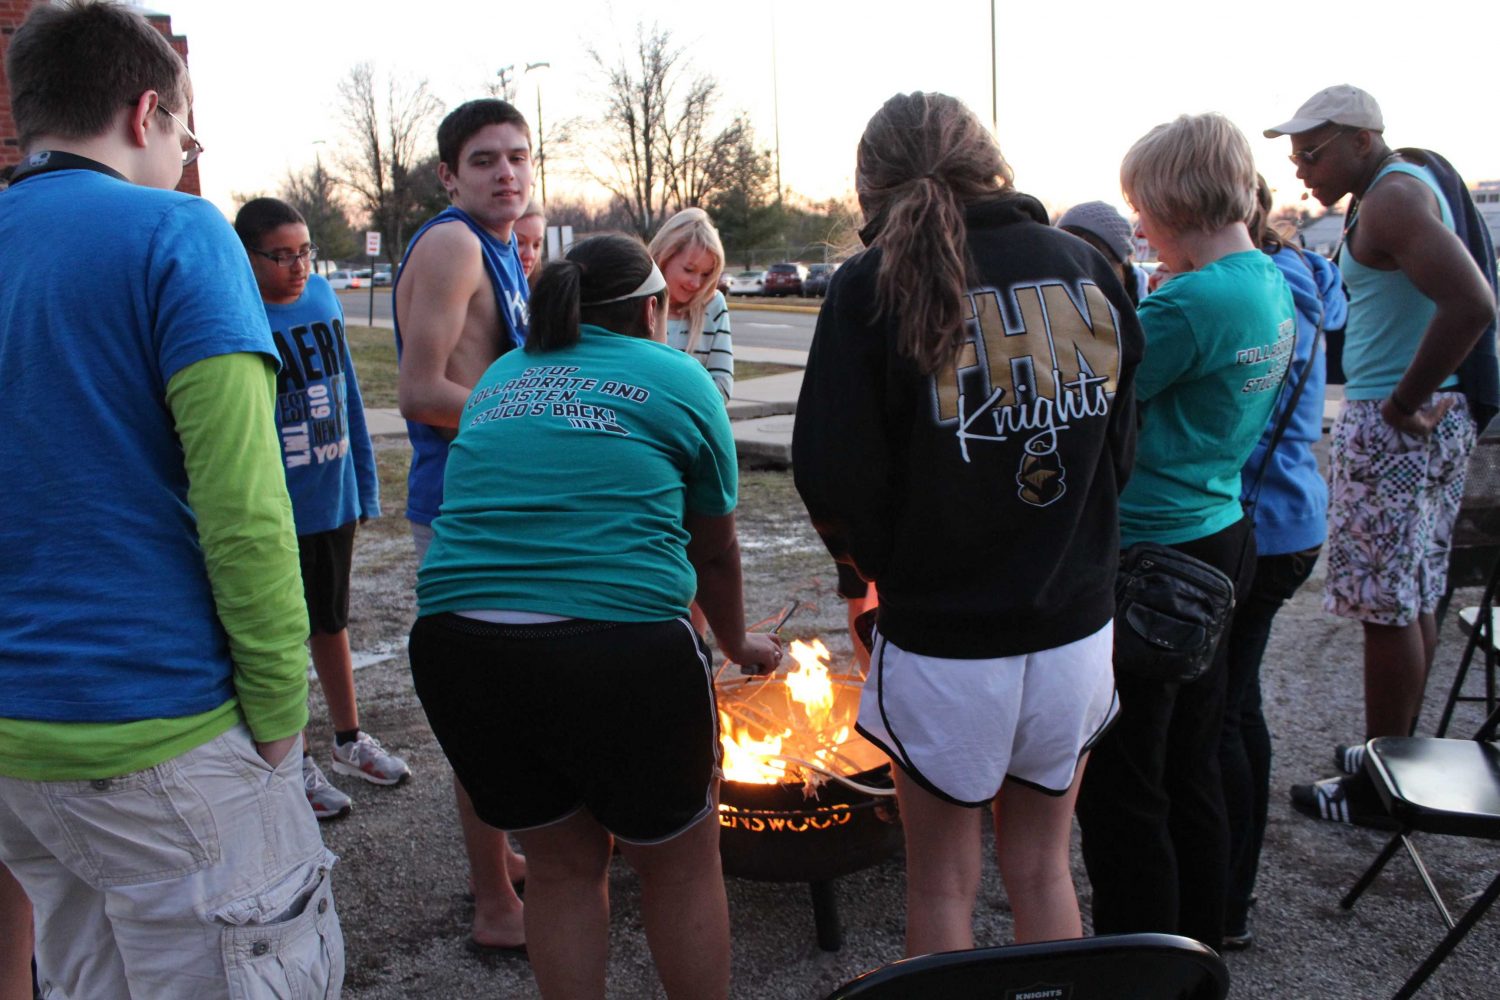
(1291, 512)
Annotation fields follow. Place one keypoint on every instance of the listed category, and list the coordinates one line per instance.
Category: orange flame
(752, 753)
(748, 759)
(808, 681)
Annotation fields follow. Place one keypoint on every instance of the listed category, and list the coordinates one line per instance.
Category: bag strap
(1291, 406)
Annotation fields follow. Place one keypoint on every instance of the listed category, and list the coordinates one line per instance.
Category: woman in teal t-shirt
(1218, 337)
(589, 498)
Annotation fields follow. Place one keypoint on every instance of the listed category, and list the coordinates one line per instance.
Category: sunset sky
(1078, 82)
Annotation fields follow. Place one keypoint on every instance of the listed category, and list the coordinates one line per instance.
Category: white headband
(654, 283)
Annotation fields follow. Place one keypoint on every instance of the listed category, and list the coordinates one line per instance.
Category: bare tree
(314, 193)
(386, 124)
(741, 205)
(587, 218)
(657, 131)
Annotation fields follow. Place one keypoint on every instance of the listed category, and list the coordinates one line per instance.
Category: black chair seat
(1441, 786)
(1108, 967)
(1419, 781)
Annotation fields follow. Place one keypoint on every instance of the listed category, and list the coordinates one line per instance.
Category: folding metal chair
(1442, 786)
(1476, 532)
(1479, 622)
(1109, 967)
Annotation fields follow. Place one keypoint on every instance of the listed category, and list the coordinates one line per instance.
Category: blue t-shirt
(330, 463)
(1218, 341)
(502, 262)
(569, 479)
(108, 291)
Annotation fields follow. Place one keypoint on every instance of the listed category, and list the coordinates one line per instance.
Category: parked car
(784, 279)
(339, 280)
(748, 283)
(724, 281)
(382, 277)
(818, 276)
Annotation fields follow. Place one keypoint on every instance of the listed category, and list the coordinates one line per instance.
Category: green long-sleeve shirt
(222, 409)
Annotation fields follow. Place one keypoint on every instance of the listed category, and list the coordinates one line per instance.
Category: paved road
(752, 328)
(758, 328)
(356, 303)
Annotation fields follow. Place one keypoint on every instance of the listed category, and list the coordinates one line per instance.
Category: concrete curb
(765, 441)
(751, 306)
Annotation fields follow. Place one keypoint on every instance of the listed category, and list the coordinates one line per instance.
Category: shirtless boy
(460, 301)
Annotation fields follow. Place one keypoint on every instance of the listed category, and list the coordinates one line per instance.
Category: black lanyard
(51, 160)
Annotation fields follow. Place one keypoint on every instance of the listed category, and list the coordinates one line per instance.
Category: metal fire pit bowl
(840, 822)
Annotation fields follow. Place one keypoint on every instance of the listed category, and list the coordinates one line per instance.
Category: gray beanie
(1103, 221)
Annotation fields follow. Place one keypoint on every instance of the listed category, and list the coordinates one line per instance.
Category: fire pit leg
(826, 915)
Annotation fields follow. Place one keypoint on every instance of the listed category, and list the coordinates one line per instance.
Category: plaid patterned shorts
(1393, 499)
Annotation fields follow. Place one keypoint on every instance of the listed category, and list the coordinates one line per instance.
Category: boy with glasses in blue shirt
(330, 473)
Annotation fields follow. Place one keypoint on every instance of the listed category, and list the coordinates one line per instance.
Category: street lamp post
(994, 74)
(541, 152)
(776, 105)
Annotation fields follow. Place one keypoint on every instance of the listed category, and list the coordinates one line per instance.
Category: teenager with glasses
(153, 680)
(330, 473)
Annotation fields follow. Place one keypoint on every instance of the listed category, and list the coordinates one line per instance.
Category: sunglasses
(1307, 157)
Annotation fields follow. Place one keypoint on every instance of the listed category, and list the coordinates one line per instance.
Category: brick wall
(163, 23)
(12, 13)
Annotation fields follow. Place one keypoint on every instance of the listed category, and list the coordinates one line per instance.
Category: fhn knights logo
(1039, 357)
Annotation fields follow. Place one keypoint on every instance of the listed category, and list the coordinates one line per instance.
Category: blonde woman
(690, 255)
(531, 233)
(1218, 338)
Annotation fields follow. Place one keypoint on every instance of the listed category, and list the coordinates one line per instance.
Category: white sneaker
(327, 801)
(365, 758)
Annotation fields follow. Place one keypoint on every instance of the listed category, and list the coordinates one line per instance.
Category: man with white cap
(1418, 305)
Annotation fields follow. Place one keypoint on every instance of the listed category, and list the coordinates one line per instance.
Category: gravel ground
(402, 874)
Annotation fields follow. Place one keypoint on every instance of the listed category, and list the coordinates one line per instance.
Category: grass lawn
(374, 352)
(744, 370)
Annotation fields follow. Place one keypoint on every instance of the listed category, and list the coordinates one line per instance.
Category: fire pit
(805, 798)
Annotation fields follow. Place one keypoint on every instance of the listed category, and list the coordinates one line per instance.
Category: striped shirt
(714, 349)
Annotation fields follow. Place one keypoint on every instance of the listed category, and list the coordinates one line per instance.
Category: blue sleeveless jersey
(424, 484)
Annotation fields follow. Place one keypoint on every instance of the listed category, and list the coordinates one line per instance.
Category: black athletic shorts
(327, 558)
(540, 721)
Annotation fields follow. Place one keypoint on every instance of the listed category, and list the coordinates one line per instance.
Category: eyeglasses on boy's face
(1307, 157)
(191, 148)
(282, 258)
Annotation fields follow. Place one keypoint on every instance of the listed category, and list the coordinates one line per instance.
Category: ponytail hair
(1263, 231)
(922, 159)
(689, 230)
(573, 291)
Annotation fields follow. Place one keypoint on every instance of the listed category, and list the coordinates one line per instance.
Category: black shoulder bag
(1171, 609)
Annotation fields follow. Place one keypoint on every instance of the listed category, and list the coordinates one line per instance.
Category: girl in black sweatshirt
(965, 426)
